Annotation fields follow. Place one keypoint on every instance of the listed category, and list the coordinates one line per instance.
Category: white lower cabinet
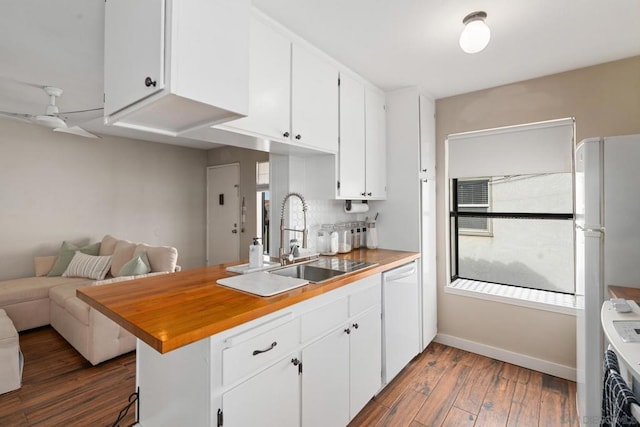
(325, 381)
(271, 398)
(365, 359)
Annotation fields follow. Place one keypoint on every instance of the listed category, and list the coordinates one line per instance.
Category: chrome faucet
(305, 231)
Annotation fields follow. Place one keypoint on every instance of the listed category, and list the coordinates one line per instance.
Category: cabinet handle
(363, 194)
(369, 194)
(298, 137)
(297, 363)
(149, 82)
(424, 170)
(355, 325)
(348, 331)
(271, 347)
(286, 134)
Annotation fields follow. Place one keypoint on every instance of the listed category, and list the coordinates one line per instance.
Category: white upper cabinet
(170, 66)
(362, 157)
(427, 138)
(351, 158)
(314, 101)
(269, 84)
(376, 151)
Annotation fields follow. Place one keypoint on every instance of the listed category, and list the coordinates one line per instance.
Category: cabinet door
(271, 398)
(269, 83)
(376, 151)
(427, 138)
(365, 359)
(428, 261)
(131, 55)
(325, 381)
(352, 139)
(314, 101)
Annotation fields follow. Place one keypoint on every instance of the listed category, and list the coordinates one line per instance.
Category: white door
(269, 84)
(223, 214)
(141, 51)
(325, 381)
(314, 101)
(376, 151)
(365, 359)
(352, 152)
(427, 138)
(271, 398)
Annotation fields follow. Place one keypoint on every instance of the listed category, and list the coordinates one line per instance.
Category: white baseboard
(540, 365)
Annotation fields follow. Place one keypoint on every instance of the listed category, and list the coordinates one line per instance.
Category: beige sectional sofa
(41, 300)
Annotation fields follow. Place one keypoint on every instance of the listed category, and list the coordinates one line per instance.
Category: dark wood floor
(60, 388)
(443, 386)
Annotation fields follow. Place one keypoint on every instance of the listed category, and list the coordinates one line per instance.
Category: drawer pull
(355, 325)
(271, 347)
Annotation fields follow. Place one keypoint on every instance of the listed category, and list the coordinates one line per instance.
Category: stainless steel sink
(322, 269)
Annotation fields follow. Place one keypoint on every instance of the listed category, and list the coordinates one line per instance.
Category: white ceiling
(393, 43)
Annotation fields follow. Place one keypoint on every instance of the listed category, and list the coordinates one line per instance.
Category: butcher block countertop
(625, 292)
(173, 310)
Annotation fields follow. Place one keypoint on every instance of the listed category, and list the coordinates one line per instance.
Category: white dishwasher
(400, 318)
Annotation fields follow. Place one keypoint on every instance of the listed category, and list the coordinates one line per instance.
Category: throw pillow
(89, 266)
(107, 245)
(138, 265)
(66, 253)
(161, 258)
(122, 253)
(43, 264)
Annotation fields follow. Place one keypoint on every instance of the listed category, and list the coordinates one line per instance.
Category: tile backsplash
(318, 212)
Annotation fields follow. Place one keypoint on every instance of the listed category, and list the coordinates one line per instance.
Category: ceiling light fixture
(476, 33)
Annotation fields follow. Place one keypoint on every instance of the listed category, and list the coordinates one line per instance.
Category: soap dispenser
(256, 258)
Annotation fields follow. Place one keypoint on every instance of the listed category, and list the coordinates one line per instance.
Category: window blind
(543, 147)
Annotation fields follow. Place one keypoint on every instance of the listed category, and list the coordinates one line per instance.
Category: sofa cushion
(122, 253)
(32, 288)
(107, 245)
(43, 264)
(65, 296)
(66, 253)
(161, 258)
(89, 266)
(138, 265)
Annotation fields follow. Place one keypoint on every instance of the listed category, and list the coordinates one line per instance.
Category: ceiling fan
(51, 118)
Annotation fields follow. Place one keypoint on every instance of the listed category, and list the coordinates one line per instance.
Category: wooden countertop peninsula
(173, 310)
(625, 293)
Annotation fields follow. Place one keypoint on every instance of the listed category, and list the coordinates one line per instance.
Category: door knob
(148, 81)
(234, 231)
(286, 134)
(298, 137)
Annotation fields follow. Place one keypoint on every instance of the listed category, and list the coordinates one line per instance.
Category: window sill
(525, 297)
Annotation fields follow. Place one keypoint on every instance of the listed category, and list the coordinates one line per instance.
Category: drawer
(363, 299)
(257, 352)
(324, 319)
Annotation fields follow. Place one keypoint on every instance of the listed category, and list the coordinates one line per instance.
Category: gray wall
(605, 100)
(56, 187)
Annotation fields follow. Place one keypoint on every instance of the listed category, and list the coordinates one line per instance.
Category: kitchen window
(511, 210)
(531, 243)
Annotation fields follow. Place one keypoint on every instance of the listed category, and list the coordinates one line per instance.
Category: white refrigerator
(607, 250)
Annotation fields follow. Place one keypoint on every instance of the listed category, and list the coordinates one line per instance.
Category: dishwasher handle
(400, 272)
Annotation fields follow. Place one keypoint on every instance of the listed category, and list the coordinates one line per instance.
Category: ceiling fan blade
(77, 130)
(18, 116)
(21, 82)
